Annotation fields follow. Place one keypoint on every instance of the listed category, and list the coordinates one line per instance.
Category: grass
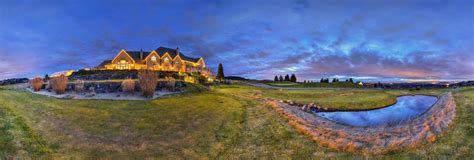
(335, 99)
(222, 122)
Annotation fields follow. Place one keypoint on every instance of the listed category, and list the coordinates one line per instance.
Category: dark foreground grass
(199, 125)
(224, 122)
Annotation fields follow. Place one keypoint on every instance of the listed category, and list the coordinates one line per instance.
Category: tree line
(288, 78)
(326, 80)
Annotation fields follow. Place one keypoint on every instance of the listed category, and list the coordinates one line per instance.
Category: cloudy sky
(381, 40)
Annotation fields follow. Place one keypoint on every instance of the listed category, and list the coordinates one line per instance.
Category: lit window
(153, 58)
(122, 65)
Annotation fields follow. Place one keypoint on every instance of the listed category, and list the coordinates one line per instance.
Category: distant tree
(351, 80)
(46, 77)
(347, 80)
(276, 78)
(334, 80)
(321, 81)
(287, 78)
(220, 72)
(293, 78)
(304, 81)
(281, 78)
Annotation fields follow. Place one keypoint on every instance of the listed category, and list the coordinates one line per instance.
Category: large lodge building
(161, 59)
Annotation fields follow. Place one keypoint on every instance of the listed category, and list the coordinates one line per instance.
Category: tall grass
(170, 83)
(59, 84)
(128, 86)
(36, 83)
(148, 81)
(79, 86)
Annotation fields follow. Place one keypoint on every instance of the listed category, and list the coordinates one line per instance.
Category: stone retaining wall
(111, 87)
(372, 140)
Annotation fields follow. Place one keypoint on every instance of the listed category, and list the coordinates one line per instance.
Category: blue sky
(369, 40)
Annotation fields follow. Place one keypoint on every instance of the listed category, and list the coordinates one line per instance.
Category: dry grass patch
(148, 80)
(59, 84)
(79, 86)
(128, 86)
(36, 83)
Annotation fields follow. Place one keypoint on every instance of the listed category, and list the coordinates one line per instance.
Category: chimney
(177, 50)
(141, 54)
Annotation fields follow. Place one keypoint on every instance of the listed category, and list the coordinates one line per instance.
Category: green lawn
(224, 122)
(334, 99)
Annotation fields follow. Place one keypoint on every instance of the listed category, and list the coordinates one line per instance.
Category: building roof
(172, 52)
(102, 65)
(136, 55)
(138, 58)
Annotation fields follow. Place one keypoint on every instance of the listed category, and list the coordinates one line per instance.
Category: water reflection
(406, 108)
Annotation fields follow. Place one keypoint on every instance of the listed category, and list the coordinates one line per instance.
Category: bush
(148, 81)
(128, 86)
(59, 84)
(170, 83)
(36, 83)
(79, 86)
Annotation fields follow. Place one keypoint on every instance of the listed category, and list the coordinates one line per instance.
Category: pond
(406, 108)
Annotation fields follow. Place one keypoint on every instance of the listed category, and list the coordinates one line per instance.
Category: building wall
(165, 63)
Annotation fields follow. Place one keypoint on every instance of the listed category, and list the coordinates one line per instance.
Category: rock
(68, 97)
(304, 107)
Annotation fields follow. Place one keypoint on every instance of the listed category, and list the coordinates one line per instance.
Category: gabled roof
(136, 55)
(172, 52)
(102, 65)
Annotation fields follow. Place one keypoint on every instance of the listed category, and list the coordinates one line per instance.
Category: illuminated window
(166, 58)
(123, 65)
(153, 58)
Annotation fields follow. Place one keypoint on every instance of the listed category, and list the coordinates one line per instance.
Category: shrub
(79, 86)
(59, 84)
(170, 83)
(148, 81)
(128, 86)
(36, 83)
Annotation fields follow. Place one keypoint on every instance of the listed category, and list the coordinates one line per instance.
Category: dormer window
(166, 58)
(153, 58)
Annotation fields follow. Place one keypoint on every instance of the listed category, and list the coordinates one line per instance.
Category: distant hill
(235, 78)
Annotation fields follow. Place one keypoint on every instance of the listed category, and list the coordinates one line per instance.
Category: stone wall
(372, 140)
(13, 81)
(111, 87)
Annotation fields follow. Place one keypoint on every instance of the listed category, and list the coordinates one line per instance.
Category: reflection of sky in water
(407, 107)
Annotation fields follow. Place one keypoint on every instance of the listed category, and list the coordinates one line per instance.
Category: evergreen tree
(321, 81)
(333, 80)
(304, 81)
(281, 78)
(46, 77)
(220, 72)
(351, 80)
(287, 78)
(293, 78)
(276, 78)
